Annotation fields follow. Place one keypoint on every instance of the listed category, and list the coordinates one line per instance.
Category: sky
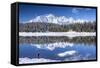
(28, 12)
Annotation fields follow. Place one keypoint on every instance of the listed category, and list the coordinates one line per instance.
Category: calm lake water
(81, 52)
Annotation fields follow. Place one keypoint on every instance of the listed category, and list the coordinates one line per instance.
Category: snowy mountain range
(51, 18)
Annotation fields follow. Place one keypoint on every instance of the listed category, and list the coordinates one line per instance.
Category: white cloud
(67, 53)
(88, 9)
(27, 60)
(75, 10)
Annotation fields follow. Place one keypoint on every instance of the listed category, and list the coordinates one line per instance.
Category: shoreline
(69, 34)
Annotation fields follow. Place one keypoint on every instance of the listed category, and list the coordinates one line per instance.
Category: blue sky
(28, 12)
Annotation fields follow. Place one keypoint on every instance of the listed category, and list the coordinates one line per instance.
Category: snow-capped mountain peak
(51, 18)
(50, 15)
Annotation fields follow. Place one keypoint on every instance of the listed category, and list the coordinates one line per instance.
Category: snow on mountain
(53, 46)
(50, 18)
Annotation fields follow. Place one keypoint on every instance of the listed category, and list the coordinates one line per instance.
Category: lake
(56, 52)
(40, 47)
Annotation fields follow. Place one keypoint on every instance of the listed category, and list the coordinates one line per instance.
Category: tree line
(52, 39)
(51, 27)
